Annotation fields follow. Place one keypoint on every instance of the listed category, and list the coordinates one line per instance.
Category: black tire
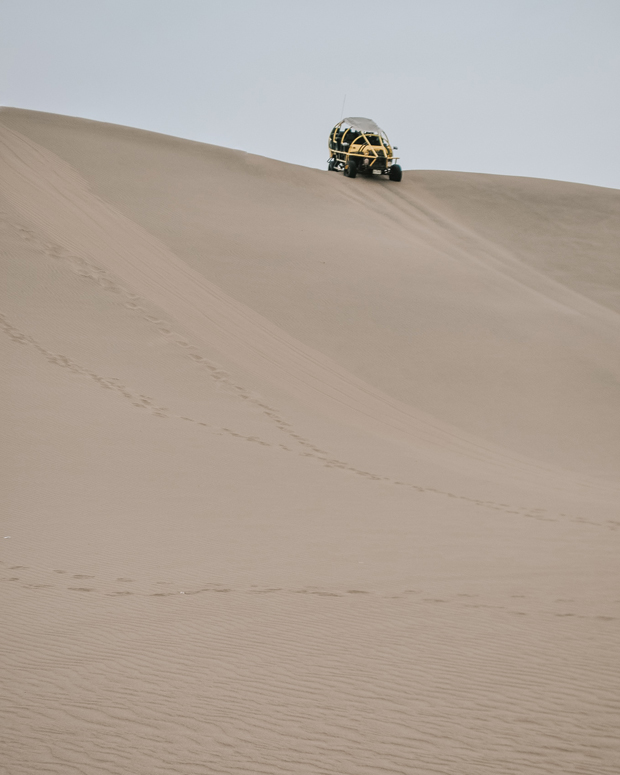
(331, 164)
(396, 173)
(350, 169)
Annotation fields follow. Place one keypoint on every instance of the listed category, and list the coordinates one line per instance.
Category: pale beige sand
(304, 474)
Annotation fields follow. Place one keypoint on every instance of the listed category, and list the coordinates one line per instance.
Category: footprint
(80, 589)
(265, 591)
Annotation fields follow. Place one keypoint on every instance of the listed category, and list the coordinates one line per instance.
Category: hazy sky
(516, 87)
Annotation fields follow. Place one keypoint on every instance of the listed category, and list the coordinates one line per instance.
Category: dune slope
(303, 474)
(501, 335)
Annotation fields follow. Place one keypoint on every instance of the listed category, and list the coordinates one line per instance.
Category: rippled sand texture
(303, 474)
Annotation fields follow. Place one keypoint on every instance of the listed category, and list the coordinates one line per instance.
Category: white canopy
(364, 125)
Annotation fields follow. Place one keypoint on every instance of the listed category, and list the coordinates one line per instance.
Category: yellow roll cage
(362, 139)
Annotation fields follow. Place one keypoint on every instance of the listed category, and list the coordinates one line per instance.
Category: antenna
(343, 104)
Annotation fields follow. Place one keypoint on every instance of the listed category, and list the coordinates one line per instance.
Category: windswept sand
(303, 474)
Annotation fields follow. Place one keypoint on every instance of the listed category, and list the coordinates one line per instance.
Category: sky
(511, 87)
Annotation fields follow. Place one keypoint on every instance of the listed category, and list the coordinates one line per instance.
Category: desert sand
(303, 474)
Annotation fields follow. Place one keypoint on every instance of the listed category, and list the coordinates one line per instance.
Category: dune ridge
(437, 284)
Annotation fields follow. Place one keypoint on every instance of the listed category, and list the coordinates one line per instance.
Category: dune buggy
(359, 146)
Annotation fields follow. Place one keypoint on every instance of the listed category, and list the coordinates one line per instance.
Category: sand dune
(304, 474)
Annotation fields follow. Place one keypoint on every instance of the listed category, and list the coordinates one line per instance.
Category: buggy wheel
(331, 164)
(350, 169)
(396, 173)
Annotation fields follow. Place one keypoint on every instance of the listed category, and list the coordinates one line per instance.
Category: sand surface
(303, 474)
